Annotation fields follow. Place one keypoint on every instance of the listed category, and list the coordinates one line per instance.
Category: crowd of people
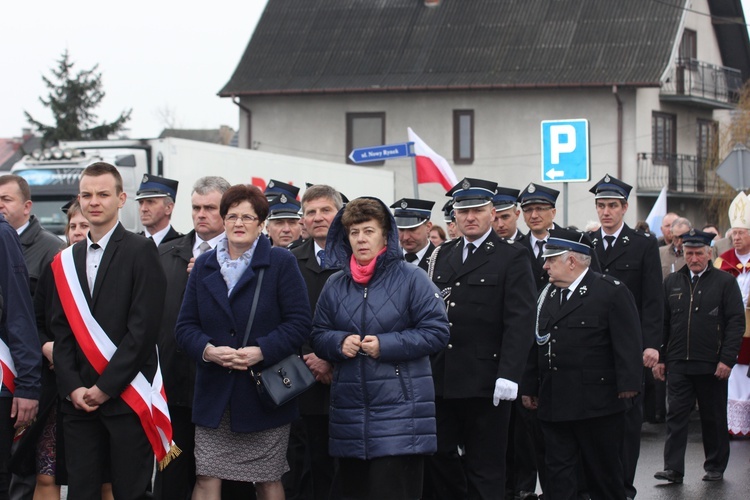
(471, 362)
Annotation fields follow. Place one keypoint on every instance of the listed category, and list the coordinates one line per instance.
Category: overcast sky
(165, 59)
(155, 56)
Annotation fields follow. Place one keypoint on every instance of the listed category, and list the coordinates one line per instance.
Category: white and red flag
(431, 167)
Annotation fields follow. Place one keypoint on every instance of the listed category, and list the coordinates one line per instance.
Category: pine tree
(72, 99)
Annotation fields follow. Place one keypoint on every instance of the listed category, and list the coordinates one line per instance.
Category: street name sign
(380, 153)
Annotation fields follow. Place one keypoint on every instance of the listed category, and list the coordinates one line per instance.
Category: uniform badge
(282, 198)
(465, 185)
(404, 204)
(606, 178)
(145, 179)
(489, 244)
(625, 240)
(583, 291)
(553, 292)
(617, 282)
(595, 241)
(531, 188)
(270, 184)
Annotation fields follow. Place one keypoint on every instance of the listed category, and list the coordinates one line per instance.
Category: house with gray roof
(655, 80)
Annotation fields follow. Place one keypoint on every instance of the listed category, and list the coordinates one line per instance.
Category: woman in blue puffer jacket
(377, 321)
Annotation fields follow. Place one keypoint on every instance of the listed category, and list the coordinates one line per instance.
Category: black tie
(540, 250)
(469, 250)
(610, 242)
(95, 246)
(410, 256)
(563, 296)
(694, 280)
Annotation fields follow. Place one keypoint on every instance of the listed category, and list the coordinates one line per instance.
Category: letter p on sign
(558, 145)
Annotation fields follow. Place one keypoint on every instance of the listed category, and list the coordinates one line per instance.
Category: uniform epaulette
(449, 243)
(645, 234)
(611, 280)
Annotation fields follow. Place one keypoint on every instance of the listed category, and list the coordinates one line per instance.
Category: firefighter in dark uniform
(489, 293)
(505, 224)
(632, 257)
(587, 366)
(413, 221)
(538, 207)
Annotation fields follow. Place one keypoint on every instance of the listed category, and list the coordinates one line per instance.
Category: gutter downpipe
(619, 131)
(236, 100)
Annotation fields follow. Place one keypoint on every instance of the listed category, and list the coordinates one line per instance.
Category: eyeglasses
(528, 210)
(245, 218)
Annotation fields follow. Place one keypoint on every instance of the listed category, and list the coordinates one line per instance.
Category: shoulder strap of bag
(255, 306)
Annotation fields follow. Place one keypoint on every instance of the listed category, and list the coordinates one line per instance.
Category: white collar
(577, 282)
(419, 254)
(212, 242)
(23, 228)
(478, 242)
(104, 240)
(616, 234)
(158, 236)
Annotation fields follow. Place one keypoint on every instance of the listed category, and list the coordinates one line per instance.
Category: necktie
(95, 246)
(204, 247)
(469, 250)
(694, 280)
(540, 249)
(410, 256)
(322, 257)
(610, 243)
(563, 296)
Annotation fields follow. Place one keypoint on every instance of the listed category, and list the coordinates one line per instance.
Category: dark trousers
(480, 429)
(88, 437)
(631, 443)
(391, 478)
(312, 471)
(527, 445)
(682, 391)
(176, 481)
(596, 443)
(6, 440)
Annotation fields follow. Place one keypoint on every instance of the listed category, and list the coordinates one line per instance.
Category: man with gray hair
(155, 198)
(308, 443)
(671, 255)
(177, 257)
(587, 332)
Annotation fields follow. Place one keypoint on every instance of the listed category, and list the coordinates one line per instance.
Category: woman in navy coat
(236, 437)
(377, 321)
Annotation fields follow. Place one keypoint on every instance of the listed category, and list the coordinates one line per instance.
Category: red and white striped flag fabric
(431, 167)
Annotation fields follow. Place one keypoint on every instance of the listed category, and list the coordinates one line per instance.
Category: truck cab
(53, 177)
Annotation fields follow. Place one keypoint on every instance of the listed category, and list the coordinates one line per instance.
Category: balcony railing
(680, 173)
(690, 79)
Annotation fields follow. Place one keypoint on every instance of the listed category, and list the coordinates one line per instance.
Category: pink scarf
(362, 274)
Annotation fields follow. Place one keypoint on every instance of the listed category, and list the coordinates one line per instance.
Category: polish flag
(431, 167)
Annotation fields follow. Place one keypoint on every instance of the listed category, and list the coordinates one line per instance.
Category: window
(664, 139)
(463, 136)
(688, 46)
(707, 143)
(364, 130)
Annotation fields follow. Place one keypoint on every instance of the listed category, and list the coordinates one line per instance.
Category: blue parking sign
(565, 150)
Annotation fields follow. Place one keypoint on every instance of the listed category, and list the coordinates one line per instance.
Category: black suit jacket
(177, 369)
(127, 303)
(425, 262)
(635, 261)
(491, 303)
(590, 351)
(316, 400)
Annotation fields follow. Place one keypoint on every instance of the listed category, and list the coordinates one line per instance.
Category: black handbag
(283, 381)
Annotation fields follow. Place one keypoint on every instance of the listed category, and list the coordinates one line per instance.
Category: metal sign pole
(565, 204)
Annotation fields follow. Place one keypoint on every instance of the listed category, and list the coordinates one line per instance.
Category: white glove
(505, 389)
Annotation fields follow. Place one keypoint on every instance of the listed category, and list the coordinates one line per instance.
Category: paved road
(736, 483)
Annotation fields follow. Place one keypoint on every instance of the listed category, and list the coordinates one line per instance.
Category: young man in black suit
(122, 287)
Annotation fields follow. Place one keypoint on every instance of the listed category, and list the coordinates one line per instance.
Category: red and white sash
(7, 368)
(147, 400)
